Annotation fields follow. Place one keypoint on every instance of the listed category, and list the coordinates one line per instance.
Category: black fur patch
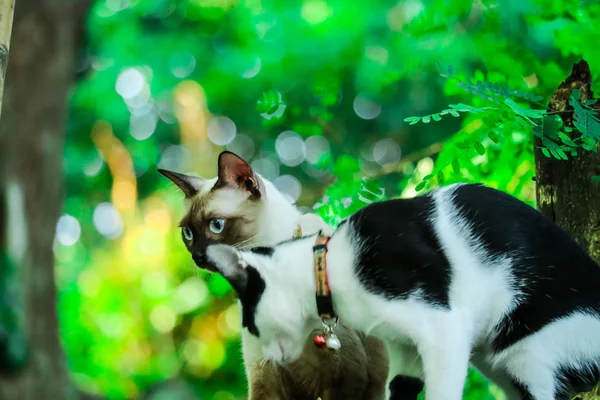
(399, 251)
(250, 297)
(577, 381)
(405, 388)
(525, 394)
(559, 277)
(263, 250)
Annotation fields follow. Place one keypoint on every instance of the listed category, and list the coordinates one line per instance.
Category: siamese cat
(243, 209)
(464, 274)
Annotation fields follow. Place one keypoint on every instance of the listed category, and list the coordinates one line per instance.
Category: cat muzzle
(202, 262)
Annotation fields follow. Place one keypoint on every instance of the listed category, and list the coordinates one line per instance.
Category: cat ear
(235, 172)
(229, 263)
(188, 184)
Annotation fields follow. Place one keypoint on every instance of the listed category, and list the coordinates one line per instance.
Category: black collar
(323, 293)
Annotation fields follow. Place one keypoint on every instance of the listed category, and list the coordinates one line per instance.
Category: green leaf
(596, 178)
(444, 73)
(426, 119)
(462, 145)
(562, 154)
(574, 152)
(479, 148)
(565, 139)
(586, 120)
(456, 166)
(526, 113)
(554, 153)
(546, 152)
(412, 120)
(436, 117)
(269, 102)
(427, 177)
(420, 186)
(548, 128)
(440, 177)
(494, 137)
(466, 108)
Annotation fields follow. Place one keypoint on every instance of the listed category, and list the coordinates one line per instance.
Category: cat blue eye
(187, 233)
(216, 225)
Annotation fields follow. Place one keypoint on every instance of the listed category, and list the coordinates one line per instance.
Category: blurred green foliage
(319, 96)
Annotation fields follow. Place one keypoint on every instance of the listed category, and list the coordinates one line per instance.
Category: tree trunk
(7, 10)
(564, 189)
(32, 132)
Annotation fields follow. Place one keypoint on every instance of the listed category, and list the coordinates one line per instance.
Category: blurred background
(313, 93)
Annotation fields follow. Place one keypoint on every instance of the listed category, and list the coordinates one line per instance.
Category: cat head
(224, 209)
(277, 307)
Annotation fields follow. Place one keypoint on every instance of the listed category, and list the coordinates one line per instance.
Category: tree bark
(564, 189)
(32, 132)
(7, 10)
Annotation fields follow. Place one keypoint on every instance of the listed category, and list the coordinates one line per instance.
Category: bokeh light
(386, 151)
(107, 220)
(68, 230)
(291, 149)
(289, 186)
(221, 130)
(316, 147)
(366, 108)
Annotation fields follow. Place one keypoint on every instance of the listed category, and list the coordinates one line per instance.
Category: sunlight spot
(531, 80)
(130, 83)
(89, 283)
(68, 230)
(316, 147)
(93, 167)
(212, 353)
(123, 194)
(232, 315)
(411, 8)
(378, 54)
(154, 284)
(315, 11)
(289, 186)
(182, 64)
(221, 130)
(174, 158)
(242, 145)
(107, 221)
(254, 69)
(163, 319)
(142, 126)
(290, 148)
(386, 151)
(366, 108)
(266, 167)
(190, 295)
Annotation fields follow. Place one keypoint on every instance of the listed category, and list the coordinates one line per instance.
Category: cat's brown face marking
(230, 209)
(221, 210)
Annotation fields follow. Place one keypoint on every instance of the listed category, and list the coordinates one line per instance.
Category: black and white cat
(464, 274)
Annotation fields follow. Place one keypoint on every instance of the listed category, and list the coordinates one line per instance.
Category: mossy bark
(565, 191)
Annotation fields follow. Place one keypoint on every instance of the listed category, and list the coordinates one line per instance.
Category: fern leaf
(586, 120)
(412, 120)
(526, 113)
(465, 108)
